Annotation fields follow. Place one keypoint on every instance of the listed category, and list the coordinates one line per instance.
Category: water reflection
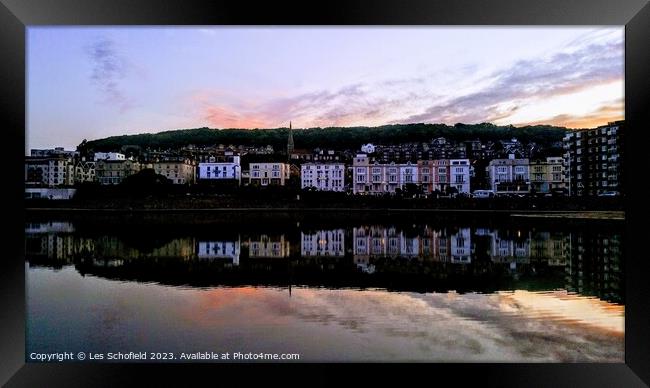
(337, 292)
(411, 257)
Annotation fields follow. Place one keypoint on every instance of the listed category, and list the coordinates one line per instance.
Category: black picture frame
(16, 15)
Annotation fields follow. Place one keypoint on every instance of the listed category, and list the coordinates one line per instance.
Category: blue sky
(89, 82)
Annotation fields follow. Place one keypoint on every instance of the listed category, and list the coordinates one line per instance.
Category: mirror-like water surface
(337, 291)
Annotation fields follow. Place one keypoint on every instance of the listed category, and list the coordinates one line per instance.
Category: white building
(109, 156)
(323, 243)
(323, 176)
(228, 169)
(408, 174)
(208, 250)
(368, 148)
(509, 175)
(459, 173)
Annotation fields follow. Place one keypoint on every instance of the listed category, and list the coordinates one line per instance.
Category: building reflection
(210, 250)
(268, 246)
(583, 261)
(322, 243)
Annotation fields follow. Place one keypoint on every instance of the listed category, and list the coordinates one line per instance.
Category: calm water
(337, 291)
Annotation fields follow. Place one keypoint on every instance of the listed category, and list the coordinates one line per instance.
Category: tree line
(329, 137)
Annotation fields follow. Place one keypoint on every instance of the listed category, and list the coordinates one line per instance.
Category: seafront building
(49, 171)
(592, 164)
(113, 172)
(594, 159)
(509, 176)
(178, 170)
(378, 178)
(269, 174)
(323, 176)
(221, 168)
(547, 176)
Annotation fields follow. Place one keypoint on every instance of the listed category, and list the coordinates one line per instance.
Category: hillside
(331, 137)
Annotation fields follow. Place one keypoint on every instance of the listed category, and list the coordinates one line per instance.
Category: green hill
(331, 137)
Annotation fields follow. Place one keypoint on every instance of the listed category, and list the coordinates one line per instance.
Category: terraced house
(269, 174)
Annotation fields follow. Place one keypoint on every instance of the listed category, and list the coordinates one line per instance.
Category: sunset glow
(97, 82)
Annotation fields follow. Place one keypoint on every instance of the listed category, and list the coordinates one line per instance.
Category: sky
(94, 82)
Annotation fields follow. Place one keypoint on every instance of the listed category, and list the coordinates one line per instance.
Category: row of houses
(368, 177)
(591, 165)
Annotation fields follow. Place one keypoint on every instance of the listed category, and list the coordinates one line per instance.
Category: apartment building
(547, 176)
(269, 174)
(113, 172)
(509, 176)
(376, 178)
(323, 176)
(593, 160)
(179, 171)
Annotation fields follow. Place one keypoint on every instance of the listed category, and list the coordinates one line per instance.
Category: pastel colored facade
(269, 174)
(443, 174)
(113, 172)
(323, 243)
(323, 176)
(509, 176)
(179, 172)
(113, 156)
(547, 176)
(376, 178)
(227, 169)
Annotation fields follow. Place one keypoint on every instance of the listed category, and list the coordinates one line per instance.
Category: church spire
(290, 143)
